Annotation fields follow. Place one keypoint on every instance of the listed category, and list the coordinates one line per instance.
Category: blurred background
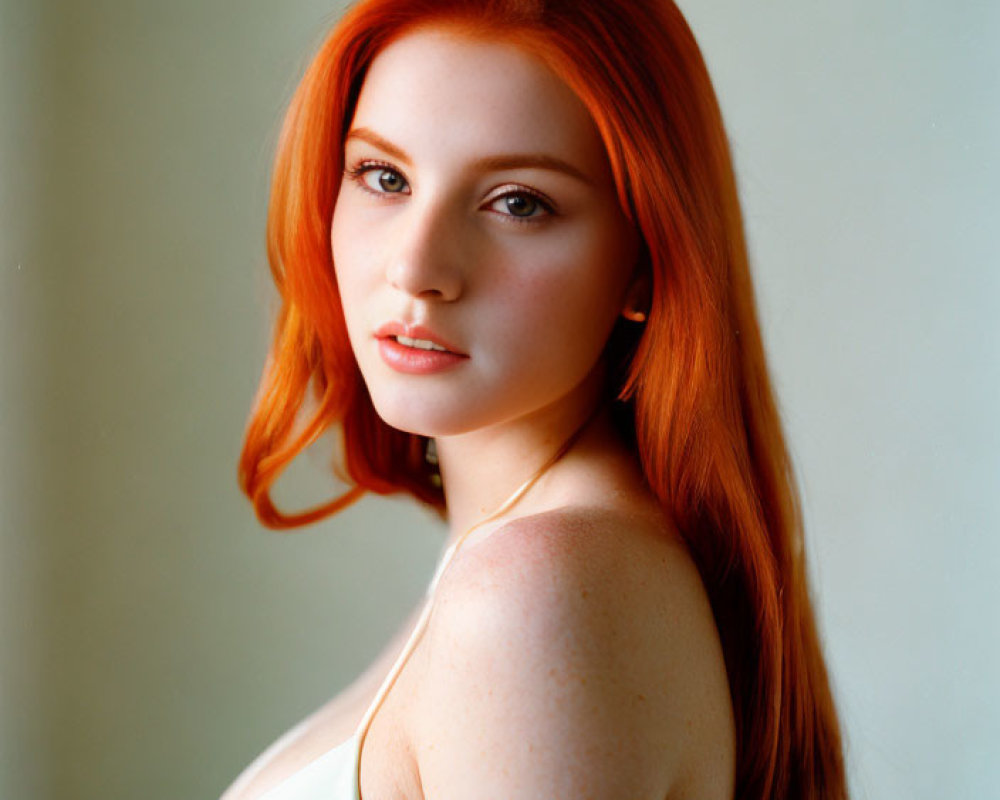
(154, 638)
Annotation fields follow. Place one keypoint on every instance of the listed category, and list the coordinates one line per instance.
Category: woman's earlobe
(637, 299)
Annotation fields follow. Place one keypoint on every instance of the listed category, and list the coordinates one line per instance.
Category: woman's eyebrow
(368, 135)
(488, 163)
(531, 161)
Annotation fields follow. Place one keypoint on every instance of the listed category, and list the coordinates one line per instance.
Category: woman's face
(477, 211)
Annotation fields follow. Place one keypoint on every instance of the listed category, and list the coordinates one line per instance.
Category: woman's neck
(482, 469)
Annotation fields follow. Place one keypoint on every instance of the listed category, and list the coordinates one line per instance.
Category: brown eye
(381, 180)
(390, 181)
(521, 205)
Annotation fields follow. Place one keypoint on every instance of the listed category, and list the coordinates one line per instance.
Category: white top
(335, 775)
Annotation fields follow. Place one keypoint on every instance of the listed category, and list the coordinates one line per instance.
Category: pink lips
(414, 360)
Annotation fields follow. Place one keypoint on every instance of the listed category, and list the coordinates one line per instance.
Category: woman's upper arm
(552, 671)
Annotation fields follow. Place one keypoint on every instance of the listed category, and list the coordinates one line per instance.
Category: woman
(509, 232)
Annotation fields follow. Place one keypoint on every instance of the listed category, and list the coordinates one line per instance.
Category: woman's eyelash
(364, 166)
(358, 172)
(533, 196)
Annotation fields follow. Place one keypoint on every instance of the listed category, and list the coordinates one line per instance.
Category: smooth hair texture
(690, 387)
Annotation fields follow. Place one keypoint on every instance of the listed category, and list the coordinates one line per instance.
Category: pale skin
(572, 652)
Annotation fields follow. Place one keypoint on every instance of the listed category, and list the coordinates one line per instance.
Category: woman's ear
(638, 296)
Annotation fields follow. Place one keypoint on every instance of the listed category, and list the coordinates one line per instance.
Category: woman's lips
(414, 360)
(415, 350)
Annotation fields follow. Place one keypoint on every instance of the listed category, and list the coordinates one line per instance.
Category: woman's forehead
(438, 91)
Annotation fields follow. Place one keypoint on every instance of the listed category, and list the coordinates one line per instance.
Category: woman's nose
(425, 261)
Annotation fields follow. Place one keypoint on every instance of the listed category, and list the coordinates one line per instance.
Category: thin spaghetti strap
(425, 613)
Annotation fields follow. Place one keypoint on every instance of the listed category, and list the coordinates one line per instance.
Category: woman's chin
(422, 421)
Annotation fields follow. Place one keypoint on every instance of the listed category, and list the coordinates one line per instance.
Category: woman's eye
(520, 205)
(381, 180)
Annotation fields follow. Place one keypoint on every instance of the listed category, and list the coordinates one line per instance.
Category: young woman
(508, 231)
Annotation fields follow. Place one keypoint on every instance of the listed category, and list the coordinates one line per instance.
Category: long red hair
(691, 389)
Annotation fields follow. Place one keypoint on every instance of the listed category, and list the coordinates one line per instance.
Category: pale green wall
(24, 746)
(154, 638)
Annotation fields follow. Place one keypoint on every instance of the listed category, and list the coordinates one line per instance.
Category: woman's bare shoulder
(585, 565)
(575, 645)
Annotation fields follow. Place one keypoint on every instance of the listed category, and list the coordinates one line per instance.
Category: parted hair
(690, 387)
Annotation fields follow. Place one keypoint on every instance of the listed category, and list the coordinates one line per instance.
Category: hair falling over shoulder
(692, 387)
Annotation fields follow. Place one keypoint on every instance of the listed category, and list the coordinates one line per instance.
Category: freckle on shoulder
(595, 552)
(610, 608)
